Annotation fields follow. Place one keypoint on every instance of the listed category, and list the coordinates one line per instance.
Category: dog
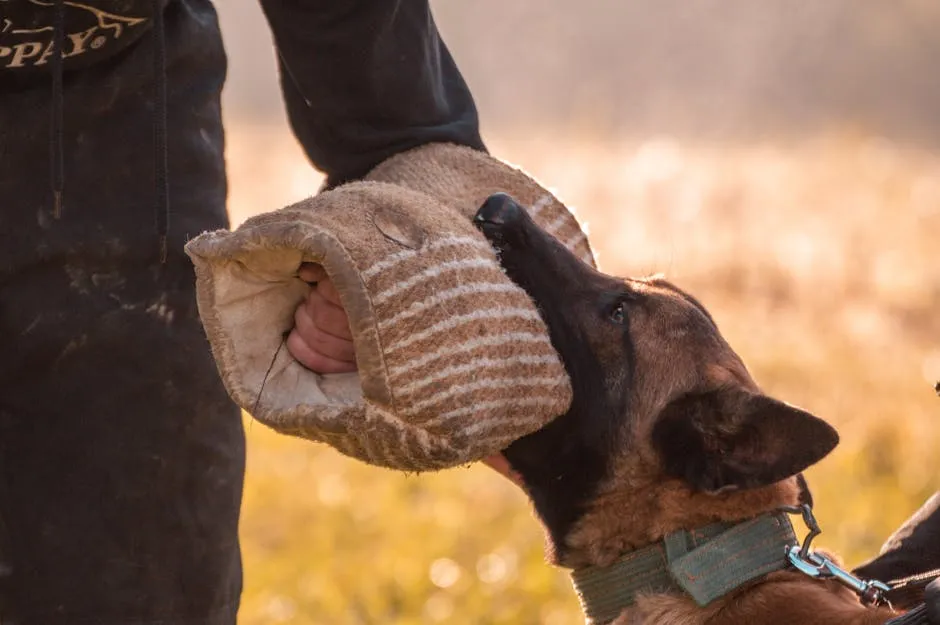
(667, 434)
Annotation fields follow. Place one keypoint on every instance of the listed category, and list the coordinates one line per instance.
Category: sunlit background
(779, 159)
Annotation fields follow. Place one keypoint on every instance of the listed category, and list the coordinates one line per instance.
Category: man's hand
(321, 340)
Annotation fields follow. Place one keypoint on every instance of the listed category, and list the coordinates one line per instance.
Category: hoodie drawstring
(161, 164)
(55, 144)
(160, 151)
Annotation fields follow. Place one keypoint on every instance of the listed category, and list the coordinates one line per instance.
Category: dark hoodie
(121, 456)
(362, 80)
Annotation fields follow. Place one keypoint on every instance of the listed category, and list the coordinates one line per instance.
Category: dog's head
(667, 428)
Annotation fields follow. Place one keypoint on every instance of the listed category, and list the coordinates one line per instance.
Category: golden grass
(819, 262)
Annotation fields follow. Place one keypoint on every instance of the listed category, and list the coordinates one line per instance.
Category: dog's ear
(732, 439)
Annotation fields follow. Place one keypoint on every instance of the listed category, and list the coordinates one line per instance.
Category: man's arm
(366, 79)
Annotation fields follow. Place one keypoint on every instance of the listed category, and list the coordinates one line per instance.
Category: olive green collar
(705, 563)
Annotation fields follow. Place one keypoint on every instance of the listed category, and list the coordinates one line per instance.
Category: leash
(910, 590)
(818, 566)
(927, 613)
(870, 592)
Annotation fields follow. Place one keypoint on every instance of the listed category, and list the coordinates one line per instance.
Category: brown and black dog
(667, 431)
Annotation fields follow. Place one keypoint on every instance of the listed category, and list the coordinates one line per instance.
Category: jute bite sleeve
(454, 362)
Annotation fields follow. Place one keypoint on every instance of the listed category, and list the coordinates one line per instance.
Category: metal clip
(870, 592)
(810, 521)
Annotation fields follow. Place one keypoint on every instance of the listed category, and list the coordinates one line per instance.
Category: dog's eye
(617, 314)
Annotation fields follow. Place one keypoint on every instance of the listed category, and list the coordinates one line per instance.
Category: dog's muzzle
(504, 222)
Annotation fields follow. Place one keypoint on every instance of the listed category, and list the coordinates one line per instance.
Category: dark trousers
(121, 456)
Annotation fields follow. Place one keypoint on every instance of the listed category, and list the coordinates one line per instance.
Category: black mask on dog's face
(563, 462)
(651, 375)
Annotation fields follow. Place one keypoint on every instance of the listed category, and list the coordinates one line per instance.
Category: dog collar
(705, 563)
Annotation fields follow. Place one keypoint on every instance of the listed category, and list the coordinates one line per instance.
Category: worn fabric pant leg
(121, 456)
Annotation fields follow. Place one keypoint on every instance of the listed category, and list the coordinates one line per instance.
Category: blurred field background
(780, 159)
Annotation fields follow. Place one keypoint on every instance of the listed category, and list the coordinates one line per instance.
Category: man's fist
(321, 340)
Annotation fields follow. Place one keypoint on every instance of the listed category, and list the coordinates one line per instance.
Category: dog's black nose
(499, 209)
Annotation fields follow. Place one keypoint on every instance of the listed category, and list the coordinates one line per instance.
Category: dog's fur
(667, 430)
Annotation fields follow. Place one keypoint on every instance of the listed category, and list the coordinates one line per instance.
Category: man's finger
(327, 316)
(313, 360)
(320, 341)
